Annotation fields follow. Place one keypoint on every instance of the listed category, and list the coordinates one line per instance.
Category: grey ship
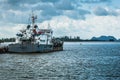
(32, 39)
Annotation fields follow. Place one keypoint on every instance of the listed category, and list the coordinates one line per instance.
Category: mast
(33, 19)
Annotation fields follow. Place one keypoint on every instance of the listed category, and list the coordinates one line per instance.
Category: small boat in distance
(32, 39)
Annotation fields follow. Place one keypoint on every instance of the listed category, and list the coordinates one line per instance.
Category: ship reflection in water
(78, 61)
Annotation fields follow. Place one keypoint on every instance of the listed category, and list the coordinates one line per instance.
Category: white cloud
(10, 30)
(93, 26)
(62, 25)
(72, 19)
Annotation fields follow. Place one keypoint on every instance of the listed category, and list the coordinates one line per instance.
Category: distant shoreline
(91, 41)
(74, 39)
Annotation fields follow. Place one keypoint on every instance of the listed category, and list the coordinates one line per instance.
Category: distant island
(104, 38)
(77, 39)
(73, 39)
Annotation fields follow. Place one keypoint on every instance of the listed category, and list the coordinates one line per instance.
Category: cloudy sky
(84, 18)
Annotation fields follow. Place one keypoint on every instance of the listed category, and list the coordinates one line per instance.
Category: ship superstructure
(33, 39)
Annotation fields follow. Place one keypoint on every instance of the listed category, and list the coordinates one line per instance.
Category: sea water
(78, 61)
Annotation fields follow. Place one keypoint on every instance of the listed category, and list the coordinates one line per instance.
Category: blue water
(78, 61)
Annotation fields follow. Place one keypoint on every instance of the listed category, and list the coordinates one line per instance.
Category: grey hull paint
(29, 48)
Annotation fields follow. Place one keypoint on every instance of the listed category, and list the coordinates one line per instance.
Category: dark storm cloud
(94, 1)
(22, 1)
(50, 1)
(64, 5)
(83, 11)
(46, 9)
(12, 5)
(21, 4)
(14, 2)
(100, 11)
(76, 14)
(11, 17)
(44, 6)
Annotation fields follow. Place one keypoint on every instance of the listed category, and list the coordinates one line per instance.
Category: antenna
(29, 19)
(33, 18)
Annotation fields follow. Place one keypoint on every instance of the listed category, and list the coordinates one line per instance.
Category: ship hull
(32, 48)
